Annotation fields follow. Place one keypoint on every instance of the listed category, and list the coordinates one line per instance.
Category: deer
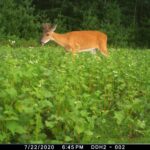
(76, 41)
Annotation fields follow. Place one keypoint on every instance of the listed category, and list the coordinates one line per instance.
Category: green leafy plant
(46, 97)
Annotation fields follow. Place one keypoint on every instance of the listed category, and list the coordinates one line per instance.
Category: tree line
(126, 22)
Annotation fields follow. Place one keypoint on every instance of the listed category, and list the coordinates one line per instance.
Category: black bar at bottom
(74, 146)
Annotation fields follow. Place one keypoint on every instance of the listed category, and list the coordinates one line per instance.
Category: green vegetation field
(46, 97)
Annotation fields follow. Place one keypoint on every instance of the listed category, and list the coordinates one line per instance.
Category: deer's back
(86, 39)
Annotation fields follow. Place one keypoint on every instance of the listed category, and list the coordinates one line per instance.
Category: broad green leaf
(12, 92)
(3, 136)
(45, 103)
(50, 124)
(119, 116)
(79, 129)
(47, 94)
(68, 138)
(141, 124)
(37, 142)
(15, 127)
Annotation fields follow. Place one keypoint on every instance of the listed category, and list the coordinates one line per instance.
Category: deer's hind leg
(103, 48)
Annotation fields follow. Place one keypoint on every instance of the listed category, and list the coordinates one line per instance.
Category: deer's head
(48, 30)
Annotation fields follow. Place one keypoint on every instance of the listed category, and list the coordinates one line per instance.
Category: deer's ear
(53, 28)
(46, 27)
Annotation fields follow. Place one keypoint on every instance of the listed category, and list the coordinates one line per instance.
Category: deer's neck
(60, 39)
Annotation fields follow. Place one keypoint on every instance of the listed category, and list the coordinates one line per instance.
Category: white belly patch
(92, 50)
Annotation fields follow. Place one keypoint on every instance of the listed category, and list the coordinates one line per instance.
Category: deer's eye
(47, 34)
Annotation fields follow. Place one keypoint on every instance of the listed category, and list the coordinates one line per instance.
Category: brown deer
(76, 41)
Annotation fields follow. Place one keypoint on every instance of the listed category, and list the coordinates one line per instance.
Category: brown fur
(76, 41)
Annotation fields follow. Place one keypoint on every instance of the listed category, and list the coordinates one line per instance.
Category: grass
(46, 97)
